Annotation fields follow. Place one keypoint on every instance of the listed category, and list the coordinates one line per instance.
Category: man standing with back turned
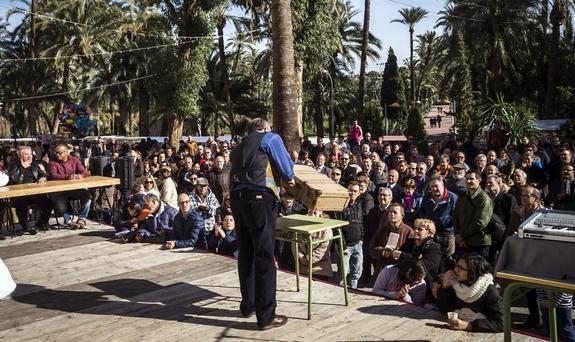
(258, 165)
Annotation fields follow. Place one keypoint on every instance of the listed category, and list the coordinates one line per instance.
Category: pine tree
(390, 86)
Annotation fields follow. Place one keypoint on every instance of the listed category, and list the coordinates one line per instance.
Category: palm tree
(500, 37)
(284, 89)
(410, 17)
(364, 47)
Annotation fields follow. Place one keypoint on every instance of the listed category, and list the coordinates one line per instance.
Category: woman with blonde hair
(421, 246)
(150, 185)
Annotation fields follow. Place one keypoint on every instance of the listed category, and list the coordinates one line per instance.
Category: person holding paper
(391, 235)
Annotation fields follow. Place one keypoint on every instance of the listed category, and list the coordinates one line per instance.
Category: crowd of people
(424, 228)
(440, 218)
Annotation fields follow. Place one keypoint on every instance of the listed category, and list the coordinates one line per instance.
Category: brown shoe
(81, 223)
(278, 321)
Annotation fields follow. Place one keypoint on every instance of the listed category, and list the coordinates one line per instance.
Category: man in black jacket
(353, 234)
(23, 171)
(503, 205)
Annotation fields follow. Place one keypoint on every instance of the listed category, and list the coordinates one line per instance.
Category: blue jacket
(187, 228)
(441, 213)
(161, 219)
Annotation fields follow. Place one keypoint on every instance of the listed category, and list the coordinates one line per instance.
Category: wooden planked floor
(86, 286)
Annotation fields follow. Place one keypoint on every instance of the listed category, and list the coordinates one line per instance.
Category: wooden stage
(86, 286)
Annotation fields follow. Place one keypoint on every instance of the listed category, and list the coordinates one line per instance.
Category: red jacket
(59, 170)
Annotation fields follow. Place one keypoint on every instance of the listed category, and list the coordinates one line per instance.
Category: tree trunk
(284, 88)
(557, 18)
(299, 86)
(317, 107)
(32, 114)
(144, 108)
(411, 70)
(56, 117)
(225, 76)
(364, 46)
(175, 128)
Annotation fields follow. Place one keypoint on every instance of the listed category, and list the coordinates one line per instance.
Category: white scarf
(470, 294)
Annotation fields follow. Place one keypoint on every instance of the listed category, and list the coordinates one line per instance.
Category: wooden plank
(19, 190)
(105, 291)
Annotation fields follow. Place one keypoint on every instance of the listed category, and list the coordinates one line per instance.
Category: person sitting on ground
(127, 219)
(188, 226)
(67, 167)
(205, 201)
(150, 186)
(422, 247)
(469, 290)
(168, 191)
(402, 281)
(223, 241)
(160, 219)
(25, 171)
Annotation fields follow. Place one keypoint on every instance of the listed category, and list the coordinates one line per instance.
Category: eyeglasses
(461, 268)
(183, 202)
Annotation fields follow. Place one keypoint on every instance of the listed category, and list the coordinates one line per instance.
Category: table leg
(309, 273)
(296, 262)
(11, 219)
(552, 317)
(342, 265)
(507, 294)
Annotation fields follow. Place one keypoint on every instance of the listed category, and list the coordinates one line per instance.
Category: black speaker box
(125, 172)
(99, 165)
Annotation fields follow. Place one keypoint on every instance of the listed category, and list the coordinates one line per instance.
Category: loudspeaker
(125, 171)
(99, 165)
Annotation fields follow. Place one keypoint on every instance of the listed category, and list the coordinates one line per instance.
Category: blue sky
(382, 13)
(396, 35)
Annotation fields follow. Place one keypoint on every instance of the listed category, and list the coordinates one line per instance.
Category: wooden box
(316, 191)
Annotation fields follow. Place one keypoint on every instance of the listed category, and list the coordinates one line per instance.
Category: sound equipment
(125, 172)
(545, 224)
(99, 165)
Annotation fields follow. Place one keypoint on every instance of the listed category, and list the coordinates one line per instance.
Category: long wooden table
(21, 190)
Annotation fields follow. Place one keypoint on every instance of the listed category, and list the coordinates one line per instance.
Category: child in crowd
(223, 241)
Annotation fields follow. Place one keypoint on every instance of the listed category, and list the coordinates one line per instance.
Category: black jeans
(23, 203)
(255, 213)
